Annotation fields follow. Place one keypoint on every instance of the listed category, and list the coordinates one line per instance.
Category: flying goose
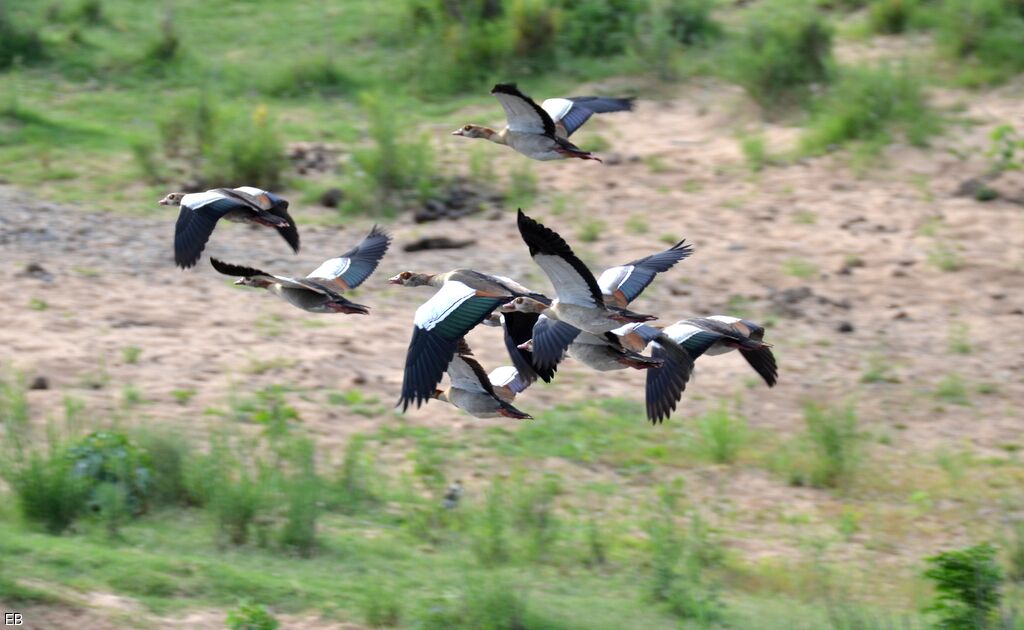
(320, 291)
(201, 211)
(713, 335)
(477, 393)
(580, 303)
(542, 131)
(517, 327)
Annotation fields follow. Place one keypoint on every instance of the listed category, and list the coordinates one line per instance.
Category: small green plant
(319, 74)
(168, 453)
(755, 152)
(722, 434)
(91, 12)
(355, 488)
(249, 152)
(967, 584)
(182, 396)
(46, 489)
(849, 522)
(953, 389)
(891, 17)
(1005, 149)
(488, 536)
(251, 616)
(870, 107)
(237, 498)
(131, 396)
(167, 46)
(636, 224)
(1016, 552)
(108, 457)
(799, 268)
(591, 230)
(382, 606)
(130, 354)
(986, 34)
(302, 492)
(38, 305)
(945, 257)
(959, 338)
(834, 443)
(785, 49)
(534, 515)
(18, 43)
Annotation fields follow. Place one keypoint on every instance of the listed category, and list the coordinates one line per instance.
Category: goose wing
(198, 216)
(694, 338)
(763, 362)
(240, 271)
(551, 338)
(522, 113)
(438, 325)
(665, 384)
(573, 282)
(572, 112)
(352, 268)
(466, 373)
(626, 282)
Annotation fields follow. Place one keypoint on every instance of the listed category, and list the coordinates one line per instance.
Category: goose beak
(395, 280)
(164, 202)
(240, 281)
(457, 132)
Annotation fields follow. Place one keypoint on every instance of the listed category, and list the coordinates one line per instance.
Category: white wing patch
(447, 299)
(569, 285)
(521, 116)
(331, 269)
(250, 190)
(725, 319)
(502, 376)
(612, 278)
(196, 201)
(557, 108)
(463, 377)
(681, 331)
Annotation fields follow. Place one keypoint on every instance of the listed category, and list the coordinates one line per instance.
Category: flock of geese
(588, 319)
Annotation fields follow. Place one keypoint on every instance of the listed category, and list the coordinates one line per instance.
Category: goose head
(172, 199)
(411, 279)
(473, 131)
(523, 305)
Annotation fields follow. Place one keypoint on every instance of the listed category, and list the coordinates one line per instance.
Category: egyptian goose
(477, 393)
(713, 335)
(320, 291)
(201, 211)
(542, 131)
(580, 302)
(465, 299)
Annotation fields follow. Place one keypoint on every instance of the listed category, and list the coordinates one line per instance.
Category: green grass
(798, 268)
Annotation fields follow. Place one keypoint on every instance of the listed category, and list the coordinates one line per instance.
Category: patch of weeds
(754, 151)
(986, 35)
(316, 74)
(251, 616)
(182, 396)
(967, 584)
(833, 443)
(988, 389)
(37, 304)
(636, 224)
(302, 499)
(591, 230)
(131, 396)
(891, 17)
(1006, 145)
(130, 354)
(18, 43)
(1015, 552)
(959, 338)
(953, 389)
(870, 107)
(799, 268)
(488, 528)
(167, 46)
(656, 164)
(668, 239)
(533, 515)
(722, 434)
(356, 486)
(382, 605)
(784, 50)
(849, 522)
(596, 143)
(262, 366)
(945, 257)
(806, 217)
(46, 490)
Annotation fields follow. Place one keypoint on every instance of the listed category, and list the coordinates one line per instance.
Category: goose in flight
(542, 131)
(478, 393)
(320, 291)
(201, 211)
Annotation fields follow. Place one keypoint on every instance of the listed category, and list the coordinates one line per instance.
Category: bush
(654, 40)
(722, 435)
(967, 585)
(354, 489)
(871, 107)
(168, 454)
(251, 616)
(302, 497)
(987, 32)
(598, 28)
(786, 49)
(690, 22)
(318, 75)
(47, 491)
(167, 46)
(17, 43)
(106, 458)
(382, 606)
(891, 17)
(250, 153)
(834, 447)
(236, 500)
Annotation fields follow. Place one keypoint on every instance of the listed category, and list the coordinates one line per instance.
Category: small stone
(332, 197)
(39, 382)
(845, 327)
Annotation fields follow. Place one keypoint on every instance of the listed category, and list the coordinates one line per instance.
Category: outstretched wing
(573, 282)
(522, 113)
(665, 384)
(439, 324)
(198, 216)
(551, 338)
(572, 112)
(626, 282)
(353, 267)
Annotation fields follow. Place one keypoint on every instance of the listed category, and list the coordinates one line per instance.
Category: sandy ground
(110, 283)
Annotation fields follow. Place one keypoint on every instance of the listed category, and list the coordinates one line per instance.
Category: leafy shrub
(237, 498)
(535, 29)
(654, 40)
(722, 434)
(318, 75)
(166, 47)
(354, 489)
(168, 454)
(18, 43)
(785, 49)
(987, 32)
(1005, 150)
(598, 28)
(833, 444)
(755, 152)
(690, 21)
(250, 152)
(891, 16)
(91, 12)
(488, 531)
(47, 491)
(251, 616)
(302, 498)
(967, 585)
(105, 458)
(871, 107)
(382, 606)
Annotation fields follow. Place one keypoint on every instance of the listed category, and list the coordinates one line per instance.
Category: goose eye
(467, 128)
(406, 275)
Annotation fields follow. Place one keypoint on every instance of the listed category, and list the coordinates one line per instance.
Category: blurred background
(178, 451)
